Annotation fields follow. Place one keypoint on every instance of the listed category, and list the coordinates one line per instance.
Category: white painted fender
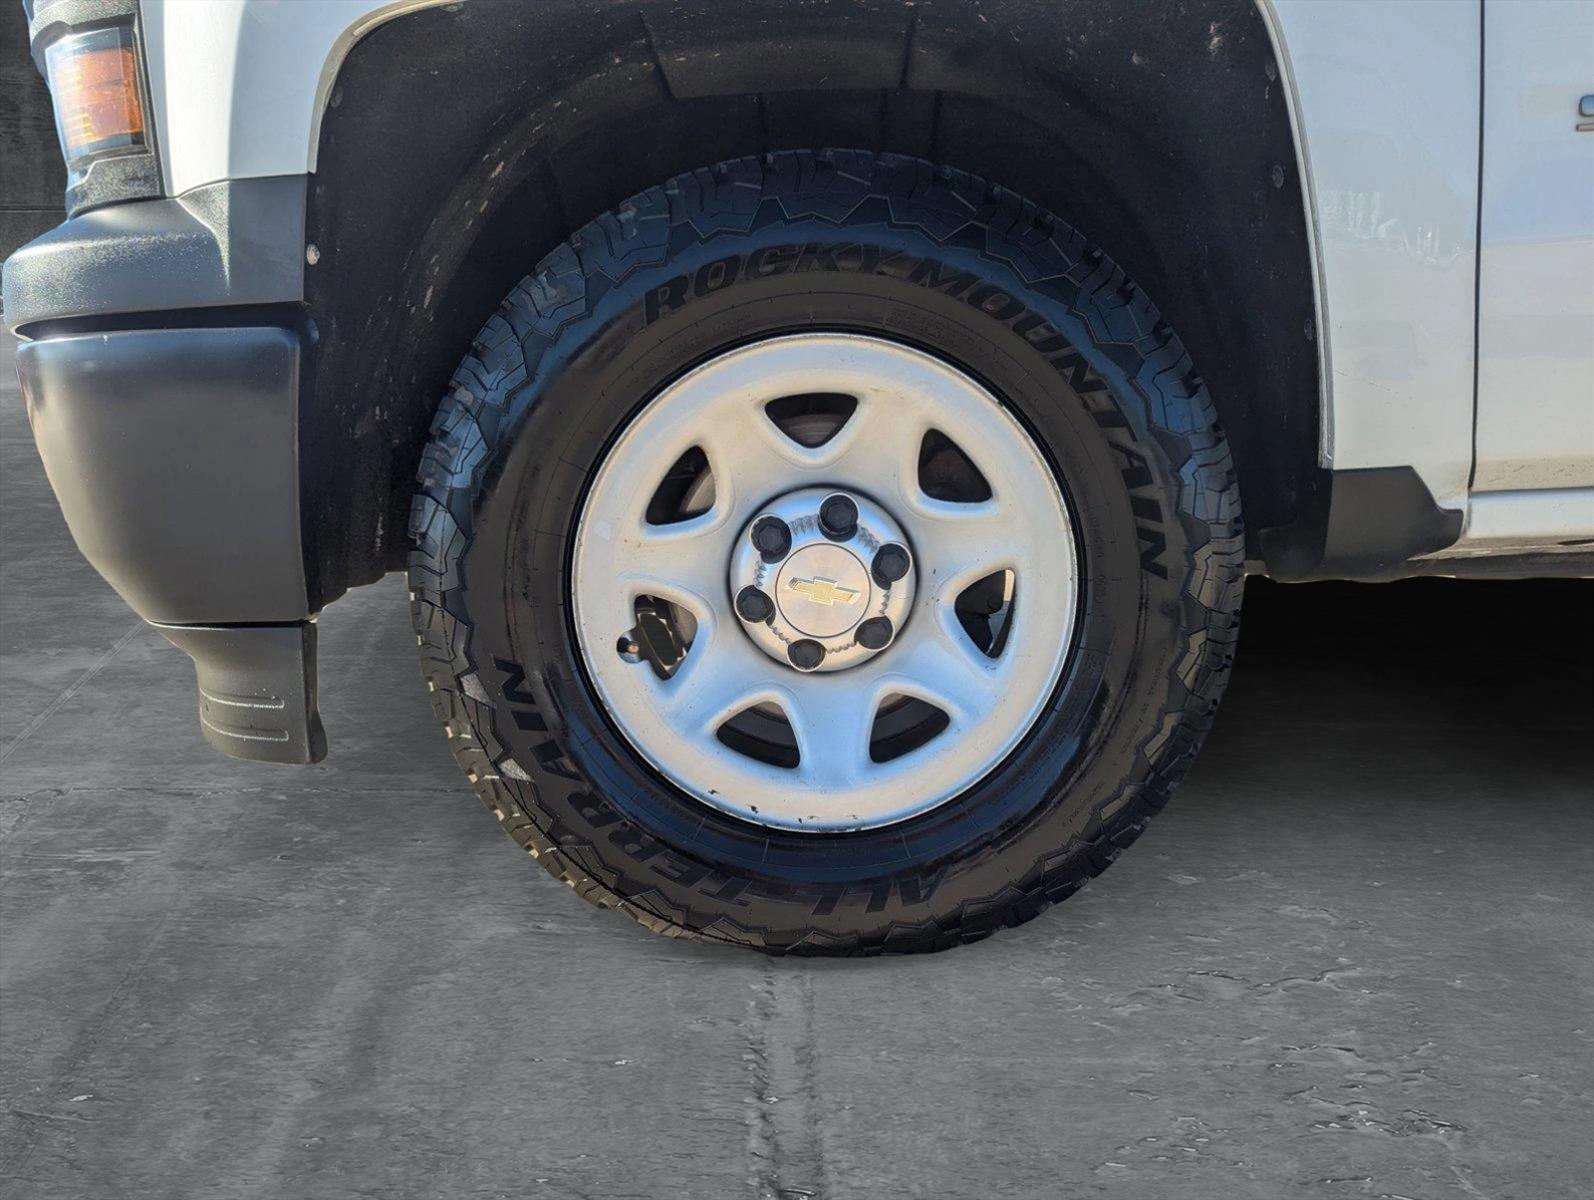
(238, 86)
(1385, 100)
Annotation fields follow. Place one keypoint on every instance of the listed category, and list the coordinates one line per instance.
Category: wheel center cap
(822, 579)
(823, 590)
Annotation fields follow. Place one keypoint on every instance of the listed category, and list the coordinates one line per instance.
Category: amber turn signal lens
(94, 81)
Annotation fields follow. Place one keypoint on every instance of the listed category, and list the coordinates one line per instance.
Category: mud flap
(257, 689)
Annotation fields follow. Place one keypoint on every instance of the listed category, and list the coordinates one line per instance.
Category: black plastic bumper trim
(1361, 524)
(257, 689)
(231, 243)
(174, 455)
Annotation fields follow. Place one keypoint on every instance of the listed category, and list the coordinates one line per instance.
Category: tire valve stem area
(654, 639)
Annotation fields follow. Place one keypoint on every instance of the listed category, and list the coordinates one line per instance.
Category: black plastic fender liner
(1157, 129)
(257, 689)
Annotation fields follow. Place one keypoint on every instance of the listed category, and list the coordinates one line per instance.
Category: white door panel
(1542, 519)
(1536, 275)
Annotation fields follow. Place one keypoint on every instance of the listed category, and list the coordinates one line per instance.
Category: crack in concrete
(71, 690)
(785, 1149)
(763, 1145)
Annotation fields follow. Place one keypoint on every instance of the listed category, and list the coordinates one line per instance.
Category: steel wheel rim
(901, 394)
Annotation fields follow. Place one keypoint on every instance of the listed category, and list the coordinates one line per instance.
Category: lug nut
(754, 606)
(838, 517)
(771, 538)
(806, 654)
(890, 564)
(875, 633)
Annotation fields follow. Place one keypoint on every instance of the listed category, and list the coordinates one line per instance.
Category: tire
(885, 247)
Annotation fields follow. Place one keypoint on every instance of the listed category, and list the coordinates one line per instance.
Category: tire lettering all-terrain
(635, 843)
(912, 891)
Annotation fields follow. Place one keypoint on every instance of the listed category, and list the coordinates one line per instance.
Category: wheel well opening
(462, 146)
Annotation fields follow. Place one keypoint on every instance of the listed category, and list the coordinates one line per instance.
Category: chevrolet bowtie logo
(824, 591)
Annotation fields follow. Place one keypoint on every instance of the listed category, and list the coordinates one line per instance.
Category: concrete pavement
(1355, 958)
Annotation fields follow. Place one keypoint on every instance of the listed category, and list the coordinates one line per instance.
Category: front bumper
(172, 453)
(170, 437)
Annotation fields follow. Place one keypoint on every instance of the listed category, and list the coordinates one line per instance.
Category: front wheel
(826, 553)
